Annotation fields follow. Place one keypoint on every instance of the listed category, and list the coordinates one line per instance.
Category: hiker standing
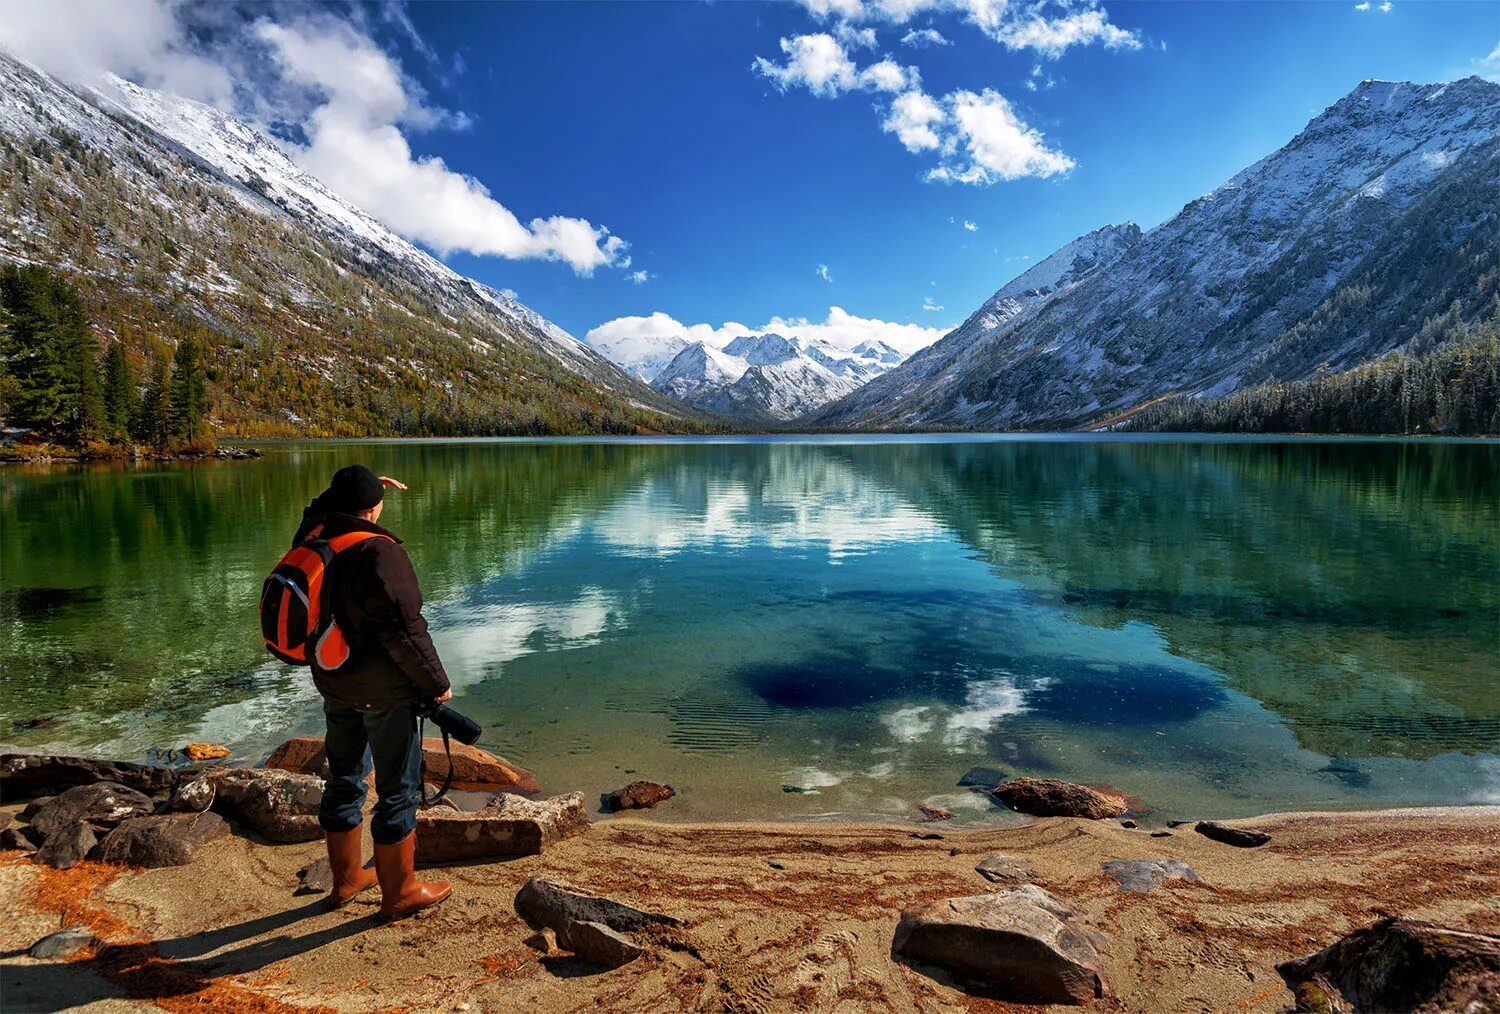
(376, 668)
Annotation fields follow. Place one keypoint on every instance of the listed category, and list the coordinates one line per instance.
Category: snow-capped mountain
(1378, 216)
(641, 356)
(183, 197)
(768, 377)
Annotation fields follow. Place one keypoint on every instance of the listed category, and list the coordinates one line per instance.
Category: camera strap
(448, 750)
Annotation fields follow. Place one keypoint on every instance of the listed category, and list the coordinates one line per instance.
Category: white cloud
(1040, 80)
(1385, 8)
(887, 76)
(1489, 66)
(1362, 6)
(919, 38)
(819, 63)
(970, 226)
(328, 77)
(823, 273)
(640, 277)
(854, 38)
(929, 305)
(913, 118)
(1051, 37)
(991, 143)
(839, 328)
(1049, 27)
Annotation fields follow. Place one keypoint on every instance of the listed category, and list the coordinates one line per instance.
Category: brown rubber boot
(401, 893)
(347, 862)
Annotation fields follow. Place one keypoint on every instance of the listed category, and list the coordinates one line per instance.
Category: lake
(809, 627)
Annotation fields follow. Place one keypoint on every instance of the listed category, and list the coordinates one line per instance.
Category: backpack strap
(448, 780)
(339, 543)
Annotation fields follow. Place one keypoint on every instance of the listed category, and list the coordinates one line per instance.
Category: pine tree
(119, 393)
(52, 356)
(149, 424)
(188, 398)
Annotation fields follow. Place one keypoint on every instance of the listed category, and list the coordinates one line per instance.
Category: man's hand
(447, 696)
(389, 483)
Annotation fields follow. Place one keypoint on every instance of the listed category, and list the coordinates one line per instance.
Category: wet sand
(779, 917)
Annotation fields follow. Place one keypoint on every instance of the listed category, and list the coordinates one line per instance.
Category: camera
(453, 723)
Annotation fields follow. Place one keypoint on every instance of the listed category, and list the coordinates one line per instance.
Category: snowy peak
(763, 349)
(1071, 262)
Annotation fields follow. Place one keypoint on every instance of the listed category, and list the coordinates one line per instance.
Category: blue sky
(748, 194)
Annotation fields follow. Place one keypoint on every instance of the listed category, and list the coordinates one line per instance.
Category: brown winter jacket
(373, 592)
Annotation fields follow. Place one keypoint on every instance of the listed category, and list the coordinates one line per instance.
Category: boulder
(205, 751)
(507, 826)
(278, 805)
(315, 878)
(597, 944)
(103, 804)
(1400, 965)
(1049, 797)
(999, 868)
(557, 906)
(981, 778)
(36, 806)
(1237, 836)
(193, 797)
(168, 839)
(1019, 944)
(1141, 875)
(24, 775)
(63, 943)
(17, 839)
(66, 847)
(474, 770)
(5, 819)
(543, 940)
(640, 795)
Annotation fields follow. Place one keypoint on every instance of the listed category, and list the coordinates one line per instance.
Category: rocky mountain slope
(1379, 216)
(768, 378)
(176, 218)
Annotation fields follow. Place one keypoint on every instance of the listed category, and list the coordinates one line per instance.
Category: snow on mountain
(642, 356)
(771, 377)
(1379, 215)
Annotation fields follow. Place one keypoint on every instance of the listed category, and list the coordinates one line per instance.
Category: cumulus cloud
(1362, 6)
(820, 63)
(990, 143)
(1489, 66)
(326, 78)
(970, 226)
(931, 305)
(840, 328)
(920, 38)
(1049, 27)
(914, 118)
(639, 277)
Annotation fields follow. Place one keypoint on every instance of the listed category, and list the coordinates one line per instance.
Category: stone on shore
(205, 751)
(1239, 837)
(278, 805)
(24, 775)
(599, 945)
(66, 847)
(5, 820)
(507, 826)
(63, 943)
(1141, 875)
(638, 795)
(1019, 944)
(103, 804)
(1049, 797)
(558, 906)
(168, 839)
(315, 878)
(193, 797)
(474, 770)
(17, 839)
(999, 868)
(1400, 965)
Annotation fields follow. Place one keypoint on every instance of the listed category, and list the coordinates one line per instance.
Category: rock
(597, 944)
(925, 835)
(933, 814)
(508, 826)
(998, 868)
(981, 778)
(103, 804)
(1049, 797)
(544, 940)
(5, 820)
(315, 878)
(17, 839)
(193, 797)
(1161, 834)
(1142, 875)
(205, 751)
(278, 805)
(36, 806)
(640, 795)
(1019, 944)
(168, 839)
(800, 790)
(24, 775)
(66, 847)
(63, 943)
(1129, 824)
(558, 906)
(1237, 836)
(474, 770)
(1402, 965)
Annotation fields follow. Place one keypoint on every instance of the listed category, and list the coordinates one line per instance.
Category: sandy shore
(782, 917)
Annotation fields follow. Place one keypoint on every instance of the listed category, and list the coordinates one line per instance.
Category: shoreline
(777, 916)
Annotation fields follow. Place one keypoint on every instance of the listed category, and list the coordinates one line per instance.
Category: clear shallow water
(1217, 627)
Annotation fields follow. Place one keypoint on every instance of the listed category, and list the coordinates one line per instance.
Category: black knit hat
(354, 488)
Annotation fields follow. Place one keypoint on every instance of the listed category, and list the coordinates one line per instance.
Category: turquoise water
(1216, 627)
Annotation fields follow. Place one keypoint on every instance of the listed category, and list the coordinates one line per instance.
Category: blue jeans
(355, 735)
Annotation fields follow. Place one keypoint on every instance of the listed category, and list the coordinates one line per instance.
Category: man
(371, 701)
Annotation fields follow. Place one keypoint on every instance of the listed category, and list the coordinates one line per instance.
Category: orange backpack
(293, 612)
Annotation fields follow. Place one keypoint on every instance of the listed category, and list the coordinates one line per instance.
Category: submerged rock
(278, 805)
(103, 804)
(474, 770)
(66, 847)
(1142, 875)
(1239, 837)
(205, 751)
(168, 839)
(508, 826)
(63, 943)
(558, 906)
(981, 778)
(999, 868)
(1400, 965)
(1019, 944)
(933, 814)
(24, 775)
(1049, 797)
(638, 795)
(599, 945)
